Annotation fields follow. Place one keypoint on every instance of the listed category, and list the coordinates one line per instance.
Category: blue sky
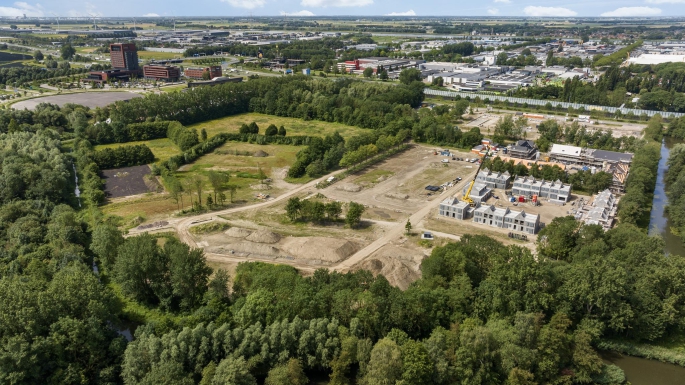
(178, 8)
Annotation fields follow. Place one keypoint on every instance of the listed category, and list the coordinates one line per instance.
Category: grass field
(158, 55)
(163, 149)
(292, 126)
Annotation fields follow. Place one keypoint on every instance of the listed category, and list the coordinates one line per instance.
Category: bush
(272, 130)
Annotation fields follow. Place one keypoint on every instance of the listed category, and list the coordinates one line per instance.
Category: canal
(641, 371)
(659, 223)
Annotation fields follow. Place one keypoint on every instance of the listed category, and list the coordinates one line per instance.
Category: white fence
(536, 102)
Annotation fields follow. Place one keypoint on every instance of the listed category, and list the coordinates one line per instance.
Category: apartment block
(507, 219)
(494, 179)
(529, 186)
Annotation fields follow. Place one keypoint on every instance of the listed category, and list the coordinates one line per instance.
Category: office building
(162, 72)
(198, 72)
(124, 56)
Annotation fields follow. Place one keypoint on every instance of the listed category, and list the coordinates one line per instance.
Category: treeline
(45, 115)
(123, 156)
(636, 204)
(675, 185)
(473, 315)
(551, 132)
(321, 49)
(23, 76)
(48, 292)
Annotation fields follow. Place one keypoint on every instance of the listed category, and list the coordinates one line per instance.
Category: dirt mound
(400, 266)
(264, 236)
(260, 186)
(260, 154)
(349, 187)
(382, 178)
(397, 196)
(238, 232)
(320, 248)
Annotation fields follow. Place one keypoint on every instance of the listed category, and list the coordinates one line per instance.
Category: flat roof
(650, 58)
(565, 150)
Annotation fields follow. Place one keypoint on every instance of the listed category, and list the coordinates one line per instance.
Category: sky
(309, 8)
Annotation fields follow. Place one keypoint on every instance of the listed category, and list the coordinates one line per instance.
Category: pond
(659, 223)
(7, 57)
(641, 371)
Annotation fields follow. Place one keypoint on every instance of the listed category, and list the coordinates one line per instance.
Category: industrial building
(523, 149)
(162, 72)
(493, 179)
(587, 156)
(197, 72)
(529, 187)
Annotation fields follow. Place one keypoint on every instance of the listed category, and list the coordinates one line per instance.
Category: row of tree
(123, 156)
(316, 211)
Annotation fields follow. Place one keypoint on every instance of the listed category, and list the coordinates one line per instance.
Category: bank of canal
(659, 223)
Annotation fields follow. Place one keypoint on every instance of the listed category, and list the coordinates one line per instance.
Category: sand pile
(320, 248)
(238, 232)
(264, 236)
(400, 266)
(349, 187)
(397, 196)
(260, 154)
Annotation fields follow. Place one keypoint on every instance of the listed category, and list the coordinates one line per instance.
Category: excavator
(467, 196)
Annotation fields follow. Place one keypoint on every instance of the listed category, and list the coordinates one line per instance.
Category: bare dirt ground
(126, 181)
(88, 99)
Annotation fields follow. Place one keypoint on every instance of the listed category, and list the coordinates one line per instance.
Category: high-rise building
(124, 56)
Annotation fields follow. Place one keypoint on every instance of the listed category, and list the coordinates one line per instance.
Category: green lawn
(163, 149)
(146, 55)
(293, 126)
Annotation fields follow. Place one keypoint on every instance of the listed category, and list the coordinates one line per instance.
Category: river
(640, 371)
(659, 223)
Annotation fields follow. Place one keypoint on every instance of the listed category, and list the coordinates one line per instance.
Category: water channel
(659, 223)
(640, 371)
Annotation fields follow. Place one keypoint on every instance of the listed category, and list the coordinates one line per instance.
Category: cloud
(247, 4)
(666, 1)
(503, 1)
(408, 13)
(22, 8)
(633, 11)
(493, 11)
(150, 15)
(298, 13)
(548, 11)
(336, 3)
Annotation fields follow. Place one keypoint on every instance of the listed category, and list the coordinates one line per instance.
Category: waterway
(659, 223)
(640, 371)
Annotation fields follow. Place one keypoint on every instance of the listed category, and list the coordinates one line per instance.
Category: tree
(557, 239)
(501, 59)
(293, 208)
(290, 373)
(218, 180)
(38, 56)
(140, 269)
(272, 130)
(383, 75)
(206, 75)
(333, 210)
(281, 131)
(67, 52)
(409, 75)
(368, 72)
(385, 365)
(417, 367)
(460, 107)
(407, 227)
(189, 273)
(198, 183)
(106, 240)
(354, 214)
(13, 26)
(550, 58)
(233, 371)
(203, 135)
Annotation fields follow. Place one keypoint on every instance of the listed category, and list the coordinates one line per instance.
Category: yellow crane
(467, 196)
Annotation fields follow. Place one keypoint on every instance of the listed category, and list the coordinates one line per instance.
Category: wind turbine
(94, 23)
(54, 14)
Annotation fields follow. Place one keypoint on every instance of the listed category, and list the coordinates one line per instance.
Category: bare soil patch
(126, 181)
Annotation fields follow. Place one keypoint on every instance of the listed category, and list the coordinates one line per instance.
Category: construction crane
(467, 195)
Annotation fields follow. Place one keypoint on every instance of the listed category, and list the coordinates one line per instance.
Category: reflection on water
(658, 221)
(640, 371)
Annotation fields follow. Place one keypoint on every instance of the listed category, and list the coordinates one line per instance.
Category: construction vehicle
(467, 196)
